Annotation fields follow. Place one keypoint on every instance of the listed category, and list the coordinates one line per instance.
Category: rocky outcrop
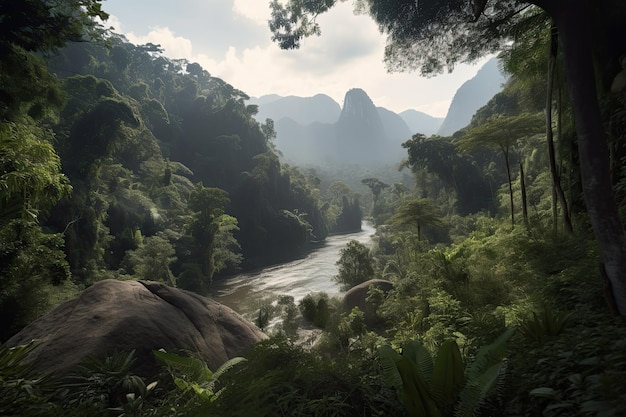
(141, 315)
(357, 297)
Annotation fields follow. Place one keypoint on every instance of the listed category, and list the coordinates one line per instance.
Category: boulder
(357, 297)
(121, 316)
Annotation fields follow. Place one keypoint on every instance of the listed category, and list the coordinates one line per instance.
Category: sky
(231, 40)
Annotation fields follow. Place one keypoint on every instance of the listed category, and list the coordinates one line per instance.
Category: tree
(503, 132)
(356, 265)
(208, 205)
(376, 186)
(429, 35)
(30, 177)
(152, 260)
(47, 25)
(417, 212)
(439, 156)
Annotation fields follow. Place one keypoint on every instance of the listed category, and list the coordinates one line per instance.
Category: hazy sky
(232, 41)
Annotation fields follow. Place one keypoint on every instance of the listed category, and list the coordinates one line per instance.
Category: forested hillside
(119, 162)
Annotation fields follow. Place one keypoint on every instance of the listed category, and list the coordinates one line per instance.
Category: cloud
(173, 46)
(348, 54)
(257, 11)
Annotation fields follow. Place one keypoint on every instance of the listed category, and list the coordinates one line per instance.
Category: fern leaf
(474, 393)
(488, 356)
(416, 352)
(195, 369)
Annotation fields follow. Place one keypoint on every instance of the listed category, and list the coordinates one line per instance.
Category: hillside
(472, 95)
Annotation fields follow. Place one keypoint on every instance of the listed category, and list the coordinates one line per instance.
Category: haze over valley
(318, 131)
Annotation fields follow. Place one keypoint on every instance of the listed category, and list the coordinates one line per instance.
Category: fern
(483, 376)
(191, 374)
(488, 356)
(446, 387)
(474, 393)
(547, 323)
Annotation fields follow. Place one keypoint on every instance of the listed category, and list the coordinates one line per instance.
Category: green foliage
(457, 172)
(547, 323)
(100, 385)
(289, 317)
(281, 378)
(31, 264)
(152, 260)
(23, 391)
(196, 382)
(47, 26)
(28, 88)
(356, 265)
(265, 315)
(445, 386)
(580, 372)
(30, 177)
(419, 213)
(315, 309)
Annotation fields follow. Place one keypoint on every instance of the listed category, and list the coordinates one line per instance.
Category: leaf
(488, 355)
(388, 359)
(416, 396)
(543, 392)
(416, 352)
(448, 375)
(474, 394)
(194, 369)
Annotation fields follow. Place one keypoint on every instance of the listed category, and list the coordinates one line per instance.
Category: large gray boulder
(357, 297)
(141, 315)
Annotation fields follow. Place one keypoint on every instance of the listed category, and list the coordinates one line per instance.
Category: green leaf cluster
(445, 386)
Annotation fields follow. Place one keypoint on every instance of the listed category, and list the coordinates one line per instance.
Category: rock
(116, 315)
(356, 297)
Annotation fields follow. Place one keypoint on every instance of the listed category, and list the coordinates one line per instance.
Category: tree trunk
(505, 152)
(524, 198)
(572, 19)
(556, 180)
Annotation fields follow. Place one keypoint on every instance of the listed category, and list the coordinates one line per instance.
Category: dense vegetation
(113, 156)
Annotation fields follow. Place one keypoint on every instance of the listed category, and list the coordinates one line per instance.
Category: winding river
(246, 292)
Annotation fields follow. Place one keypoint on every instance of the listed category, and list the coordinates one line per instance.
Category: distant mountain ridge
(303, 110)
(317, 130)
(323, 109)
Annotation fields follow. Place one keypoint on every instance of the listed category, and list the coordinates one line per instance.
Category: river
(314, 273)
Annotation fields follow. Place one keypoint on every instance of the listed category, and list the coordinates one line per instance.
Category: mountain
(317, 130)
(360, 134)
(471, 96)
(304, 110)
(419, 122)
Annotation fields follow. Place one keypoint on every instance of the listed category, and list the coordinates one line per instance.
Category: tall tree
(418, 212)
(439, 156)
(433, 34)
(556, 177)
(208, 206)
(503, 132)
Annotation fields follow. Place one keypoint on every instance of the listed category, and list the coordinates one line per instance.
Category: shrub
(281, 378)
(314, 308)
